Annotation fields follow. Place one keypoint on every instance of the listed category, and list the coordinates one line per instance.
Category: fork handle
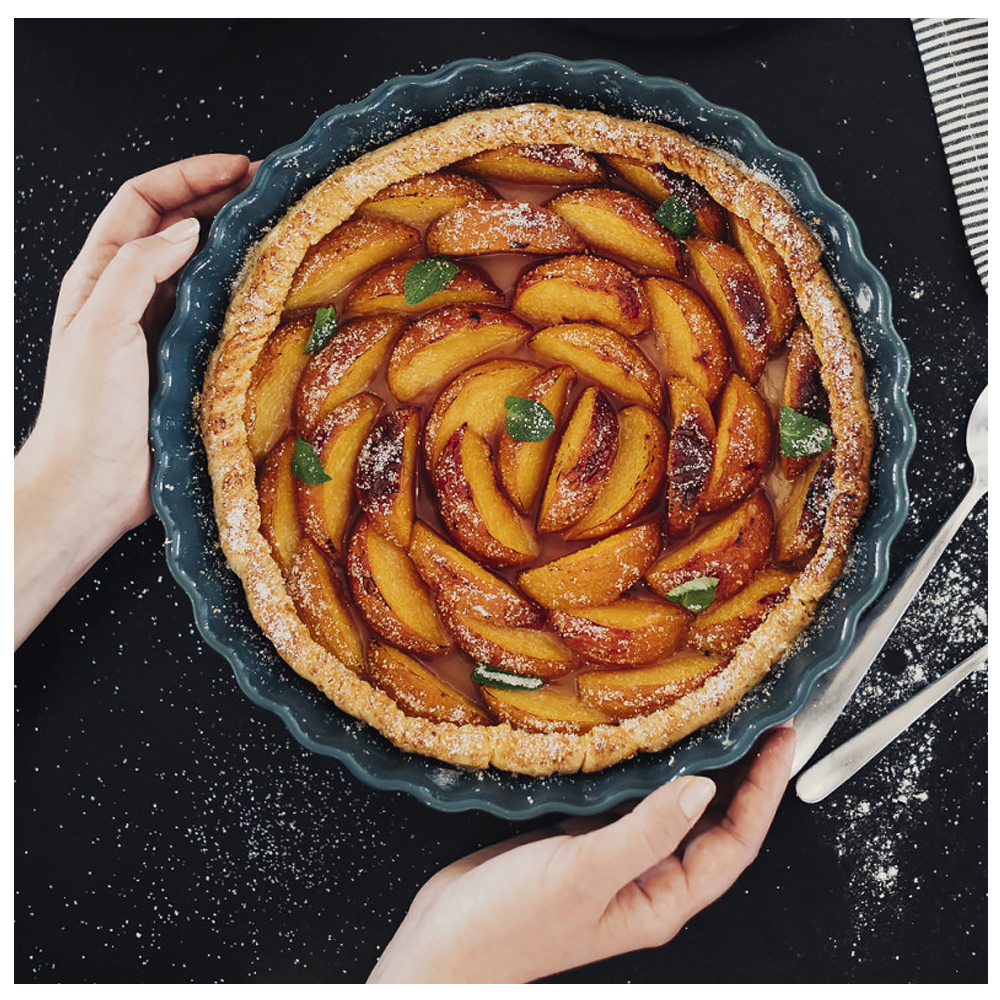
(834, 690)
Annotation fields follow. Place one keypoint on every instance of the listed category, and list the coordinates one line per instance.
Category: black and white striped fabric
(955, 57)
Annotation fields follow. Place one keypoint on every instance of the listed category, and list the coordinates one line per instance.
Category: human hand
(554, 900)
(82, 477)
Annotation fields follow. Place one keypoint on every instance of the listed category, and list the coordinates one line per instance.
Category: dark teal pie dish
(182, 491)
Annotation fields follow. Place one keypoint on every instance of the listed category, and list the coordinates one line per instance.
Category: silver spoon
(834, 690)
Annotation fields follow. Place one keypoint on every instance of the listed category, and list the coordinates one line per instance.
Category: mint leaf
(801, 436)
(694, 595)
(676, 215)
(495, 677)
(427, 277)
(306, 466)
(323, 328)
(527, 420)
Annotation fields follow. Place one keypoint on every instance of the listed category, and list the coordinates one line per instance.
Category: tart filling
(536, 436)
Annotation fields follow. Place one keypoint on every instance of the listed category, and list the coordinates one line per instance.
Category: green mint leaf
(801, 436)
(527, 420)
(676, 215)
(694, 595)
(323, 328)
(306, 466)
(495, 677)
(426, 277)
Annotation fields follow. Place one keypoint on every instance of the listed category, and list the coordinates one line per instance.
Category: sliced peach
(419, 200)
(275, 375)
(279, 516)
(474, 508)
(629, 631)
(725, 625)
(322, 605)
(623, 694)
(547, 710)
(635, 477)
(772, 275)
(326, 508)
(731, 550)
(582, 289)
(476, 397)
(620, 224)
(605, 356)
(343, 255)
(733, 290)
(391, 595)
(459, 582)
(744, 446)
(658, 183)
(481, 227)
(417, 690)
(386, 473)
(690, 453)
(597, 574)
(689, 339)
(803, 390)
(803, 515)
(585, 453)
(347, 365)
(383, 292)
(440, 344)
(535, 163)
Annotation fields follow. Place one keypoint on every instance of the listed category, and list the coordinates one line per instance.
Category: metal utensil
(834, 690)
(824, 777)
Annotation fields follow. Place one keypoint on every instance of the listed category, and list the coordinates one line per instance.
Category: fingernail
(181, 232)
(695, 795)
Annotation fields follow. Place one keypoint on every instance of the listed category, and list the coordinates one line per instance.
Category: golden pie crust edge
(255, 311)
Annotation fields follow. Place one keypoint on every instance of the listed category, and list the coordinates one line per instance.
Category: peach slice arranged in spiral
(419, 200)
(485, 227)
(546, 710)
(535, 163)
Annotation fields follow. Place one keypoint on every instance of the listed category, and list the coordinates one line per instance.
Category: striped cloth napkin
(955, 57)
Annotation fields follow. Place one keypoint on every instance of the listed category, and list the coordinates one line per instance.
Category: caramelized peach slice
(459, 582)
(690, 453)
(582, 289)
(348, 364)
(629, 631)
(386, 473)
(326, 508)
(731, 550)
(474, 508)
(279, 516)
(744, 445)
(658, 183)
(803, 389)
(725, 625)
(733, 290)
(622, 694)
(275, 375)
(418, 201)
(597, 574)
(535, 163)
(620, 224)
(522, 465)
(605, 356)
(800, 523)
(772, 275)
(586, 451)
(440, 344)
(635, 477)
(320, 601)
(547, 710)
(417, 691)
(475, 397)
(391, 594)
(482, 227)
(689, 339)
(383, 292)
(343, 255)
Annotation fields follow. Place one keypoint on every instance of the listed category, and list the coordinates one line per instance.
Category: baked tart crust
(256, 310)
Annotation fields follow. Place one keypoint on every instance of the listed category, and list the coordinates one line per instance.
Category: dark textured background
(168, 830)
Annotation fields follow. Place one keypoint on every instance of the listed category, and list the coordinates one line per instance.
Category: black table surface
(169, 830)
